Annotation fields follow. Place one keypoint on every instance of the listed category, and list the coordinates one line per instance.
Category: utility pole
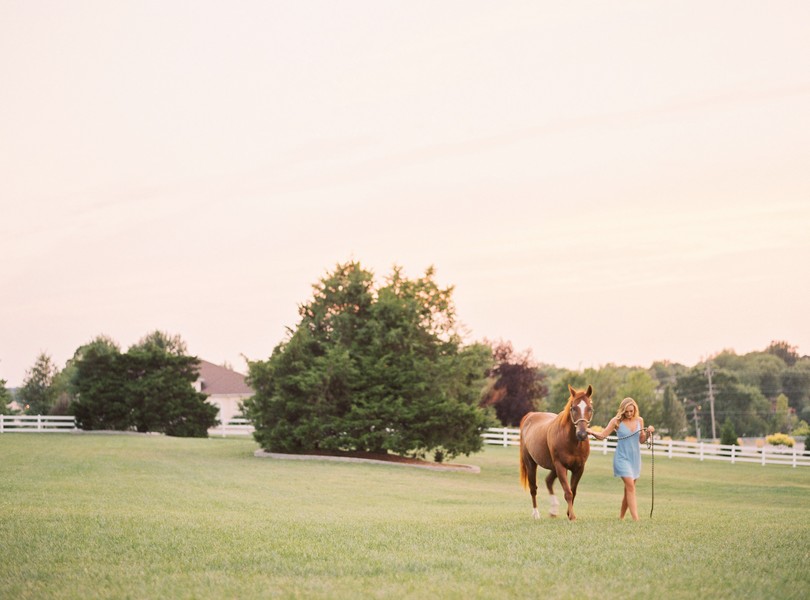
(711, 398)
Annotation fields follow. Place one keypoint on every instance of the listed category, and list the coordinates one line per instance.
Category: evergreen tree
(5, 398)
(99, 387)
(673, 414)
(728, 435)
(149, 388)
(38, 394)
(371, 370)
(782, 421)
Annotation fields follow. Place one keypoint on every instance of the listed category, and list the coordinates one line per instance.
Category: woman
(629, 427)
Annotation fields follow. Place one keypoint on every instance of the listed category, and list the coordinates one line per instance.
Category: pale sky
(602, 182)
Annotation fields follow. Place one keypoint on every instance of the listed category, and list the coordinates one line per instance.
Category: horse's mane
(562, 416)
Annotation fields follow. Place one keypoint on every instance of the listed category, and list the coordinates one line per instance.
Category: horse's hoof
(535, 514)
(552, 515)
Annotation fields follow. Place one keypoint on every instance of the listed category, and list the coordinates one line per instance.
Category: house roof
(220, 380)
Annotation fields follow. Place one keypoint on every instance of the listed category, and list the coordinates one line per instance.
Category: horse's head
(581, 411)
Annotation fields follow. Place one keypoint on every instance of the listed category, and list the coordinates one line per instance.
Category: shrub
(728, 435)
(801, 429)
(780, 439)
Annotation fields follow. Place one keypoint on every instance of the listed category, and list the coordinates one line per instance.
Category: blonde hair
(623, 407)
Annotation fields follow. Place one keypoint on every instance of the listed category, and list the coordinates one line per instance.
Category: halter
(576, 422)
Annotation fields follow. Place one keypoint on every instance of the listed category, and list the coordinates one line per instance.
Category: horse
(558, 443)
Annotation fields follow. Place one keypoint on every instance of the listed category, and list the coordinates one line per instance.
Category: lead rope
(651, 446)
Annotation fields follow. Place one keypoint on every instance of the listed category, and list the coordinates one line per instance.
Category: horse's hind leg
(532, 477)
(554, 508)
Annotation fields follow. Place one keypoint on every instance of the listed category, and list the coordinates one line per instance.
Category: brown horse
(558, 443)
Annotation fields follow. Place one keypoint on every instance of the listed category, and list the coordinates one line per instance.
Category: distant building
(226, 389)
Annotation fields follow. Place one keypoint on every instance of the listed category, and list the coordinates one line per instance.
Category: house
(226, 389)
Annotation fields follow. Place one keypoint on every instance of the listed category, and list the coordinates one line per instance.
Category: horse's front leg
(576, 475)
(562, 475)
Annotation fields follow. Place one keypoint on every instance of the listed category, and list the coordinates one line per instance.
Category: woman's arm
(600, 435)
(642, 437)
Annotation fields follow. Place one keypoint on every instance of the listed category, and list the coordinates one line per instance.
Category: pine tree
(38, 394)
(371, 369)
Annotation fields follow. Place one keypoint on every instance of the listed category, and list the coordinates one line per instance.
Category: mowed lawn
(128, 516)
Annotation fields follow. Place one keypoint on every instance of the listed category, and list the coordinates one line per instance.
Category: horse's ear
(571, 390)
(589, 391)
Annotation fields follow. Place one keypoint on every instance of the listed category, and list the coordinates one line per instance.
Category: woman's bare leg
(624, 504)
(629, 501)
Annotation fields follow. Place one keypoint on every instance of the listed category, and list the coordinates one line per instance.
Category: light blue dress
(627, 460)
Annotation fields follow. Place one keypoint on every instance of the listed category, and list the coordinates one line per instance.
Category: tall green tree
(605, 382)
(99, 387)
(559, 393)
(763, 371)
(666, 373)
(149, 388)
(673, 414)
(160, 392)
(782, 420)
(694, 386)
(785, 351)
(796, 386)
(5, 398)
(607, 394)
(745, 406)
(372, 369)
(639, 385)
(38, 393)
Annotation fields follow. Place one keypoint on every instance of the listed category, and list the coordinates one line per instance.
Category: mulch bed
(371, 457)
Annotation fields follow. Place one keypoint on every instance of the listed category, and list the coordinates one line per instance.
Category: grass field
(118, 516)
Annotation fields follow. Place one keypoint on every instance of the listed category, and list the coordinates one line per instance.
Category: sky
(601, 182)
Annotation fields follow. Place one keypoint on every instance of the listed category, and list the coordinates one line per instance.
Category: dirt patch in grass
(371, 457)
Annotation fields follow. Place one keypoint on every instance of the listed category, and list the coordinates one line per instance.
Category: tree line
(754, 394)
(384, 368)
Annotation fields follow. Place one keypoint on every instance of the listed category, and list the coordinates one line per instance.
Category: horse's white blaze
(583, 406)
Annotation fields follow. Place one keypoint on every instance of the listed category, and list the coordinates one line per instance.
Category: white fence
(38, 423)
(498, 436)
(767, 455)
(232, 427)
(48, 423)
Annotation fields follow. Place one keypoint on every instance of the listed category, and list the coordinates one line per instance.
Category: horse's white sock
(555, 506)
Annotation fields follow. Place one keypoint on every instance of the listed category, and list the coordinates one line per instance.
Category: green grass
(155, 517)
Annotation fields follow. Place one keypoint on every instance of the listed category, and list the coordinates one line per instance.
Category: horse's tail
(524, 469)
